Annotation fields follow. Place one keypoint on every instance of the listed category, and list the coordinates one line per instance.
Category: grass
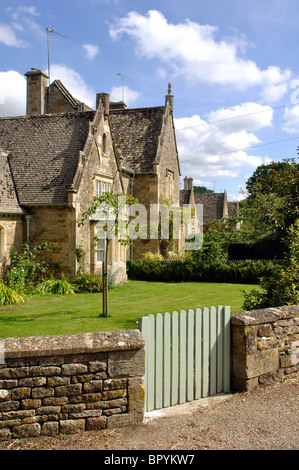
(80, 313)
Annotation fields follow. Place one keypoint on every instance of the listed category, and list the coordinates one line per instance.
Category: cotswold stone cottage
(214, 205)
(54, 160)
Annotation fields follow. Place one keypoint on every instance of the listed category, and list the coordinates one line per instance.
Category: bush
(27, 265)
(55, 286)
(9, 296)
(281, 286)
(88, 283)
(247, 272)
(149, 256)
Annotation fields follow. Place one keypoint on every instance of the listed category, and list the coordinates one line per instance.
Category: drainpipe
(28, 217)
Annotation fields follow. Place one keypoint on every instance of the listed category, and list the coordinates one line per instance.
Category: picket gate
(187, 355)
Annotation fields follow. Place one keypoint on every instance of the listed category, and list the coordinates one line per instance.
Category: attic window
(102, 186)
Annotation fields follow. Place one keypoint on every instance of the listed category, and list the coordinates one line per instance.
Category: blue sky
(233, 66)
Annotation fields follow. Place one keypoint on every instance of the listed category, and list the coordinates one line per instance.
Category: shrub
(27, 265)
(281, 286)
(9, 296)
(149, 256)
(247, 272)
(55, 286)
(88, 283)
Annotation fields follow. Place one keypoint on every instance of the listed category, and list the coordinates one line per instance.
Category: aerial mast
(122, 84)
(49, 32)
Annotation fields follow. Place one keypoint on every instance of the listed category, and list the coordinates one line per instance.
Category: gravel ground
(266, 418)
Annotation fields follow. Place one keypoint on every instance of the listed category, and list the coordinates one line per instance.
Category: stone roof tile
(43, 154)
(135, 134)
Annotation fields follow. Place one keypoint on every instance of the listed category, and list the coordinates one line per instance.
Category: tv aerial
(123, 77)
(50, 31)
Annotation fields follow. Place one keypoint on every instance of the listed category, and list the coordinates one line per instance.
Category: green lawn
(49, 315)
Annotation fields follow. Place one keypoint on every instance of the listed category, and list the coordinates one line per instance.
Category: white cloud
(130, 96)
(91, 51)
(74, 82)
(291, 118)
(8, 36)
(219, 147)
(192, 51)
(30, 10)
(12, 94)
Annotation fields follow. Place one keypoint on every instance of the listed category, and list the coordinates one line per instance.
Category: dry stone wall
(264, 346)
(71, 383)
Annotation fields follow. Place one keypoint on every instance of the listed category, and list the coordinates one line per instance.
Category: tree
(110, 208)
(282, 286)
(273, 195)
(202, 190)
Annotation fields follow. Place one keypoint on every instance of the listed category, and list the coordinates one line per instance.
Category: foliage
(150, 256)
(54, 286)
(9, 296)
(27, 265)
(281, 286)
(274, 196)
(202, 190)
(209, 253)
(88, 283)
(247, 272)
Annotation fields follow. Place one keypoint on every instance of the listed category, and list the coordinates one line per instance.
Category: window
(169, 184)
(97, 188)
(100, 250)
(102, 187)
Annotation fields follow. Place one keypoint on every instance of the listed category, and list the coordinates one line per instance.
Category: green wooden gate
(187, 355)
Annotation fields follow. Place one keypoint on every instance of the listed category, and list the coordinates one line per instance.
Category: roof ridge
(135, 109)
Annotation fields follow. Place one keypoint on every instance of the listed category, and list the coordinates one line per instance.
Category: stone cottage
(214, 205)
(54, 160)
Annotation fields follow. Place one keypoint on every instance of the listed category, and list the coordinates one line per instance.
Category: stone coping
(57, 345)
(266, 315)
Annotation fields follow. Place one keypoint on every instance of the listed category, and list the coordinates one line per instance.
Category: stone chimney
(104, 98)
(169, 98)
(188, 183)
(37, 85)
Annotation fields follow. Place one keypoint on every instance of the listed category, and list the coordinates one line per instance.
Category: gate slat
(205, 352)
(175, 358)
(213, 353)
(159, 361)
(182, 356)
(198, 353)
(166, 360)
(190, 355)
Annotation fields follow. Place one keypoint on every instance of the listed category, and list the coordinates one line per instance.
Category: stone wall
(71, 383)
(264, 346)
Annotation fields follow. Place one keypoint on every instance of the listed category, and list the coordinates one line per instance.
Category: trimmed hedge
(247, 272)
